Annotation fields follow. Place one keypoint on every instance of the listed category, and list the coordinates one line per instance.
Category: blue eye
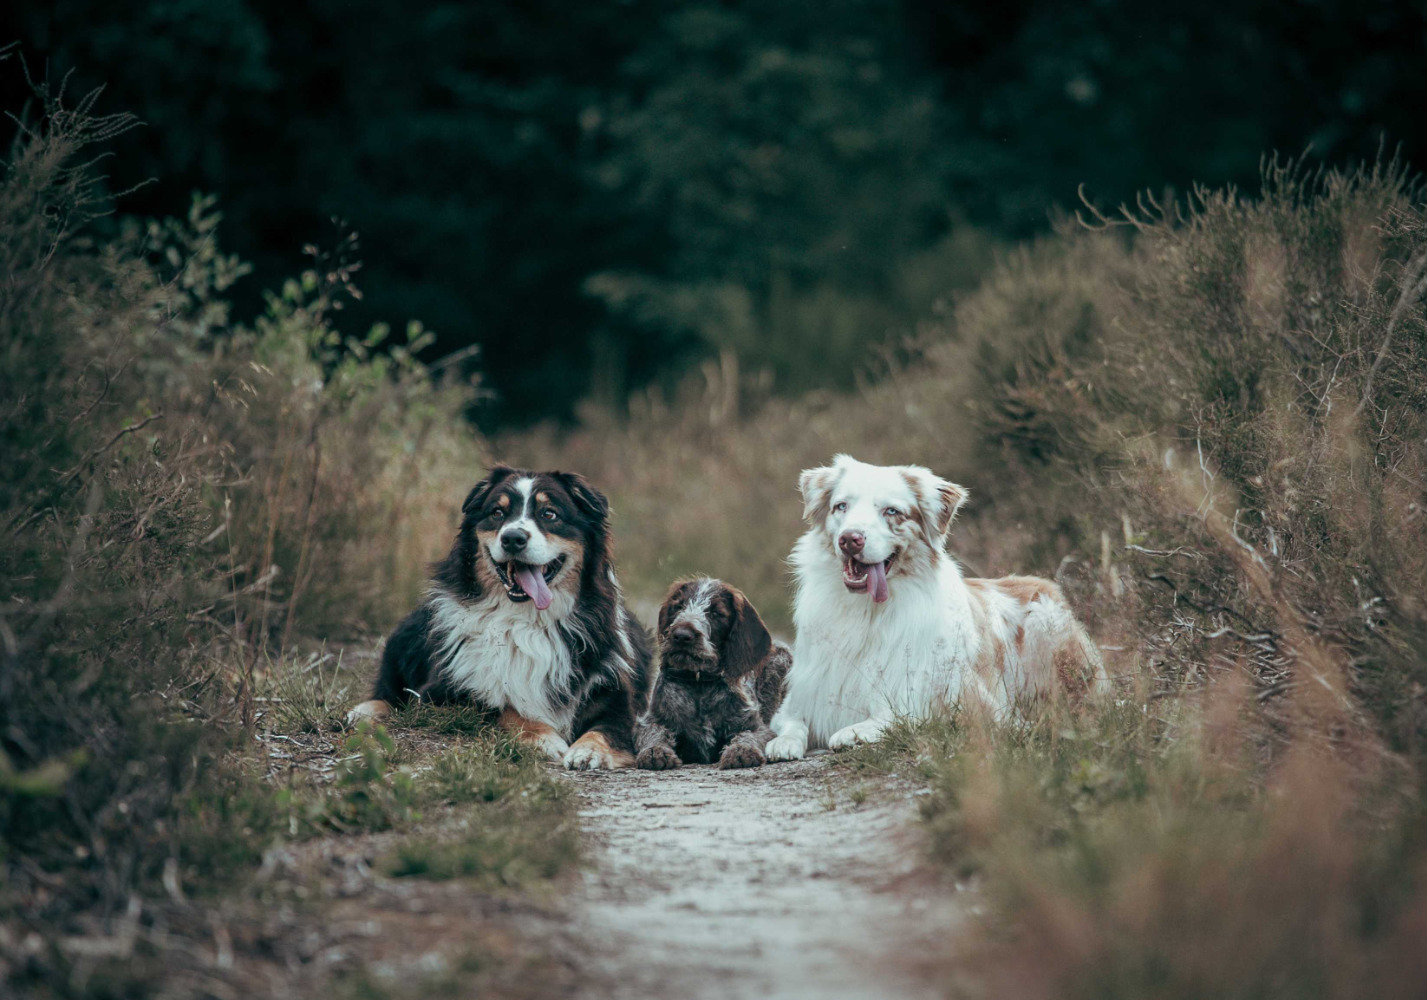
(839, 507)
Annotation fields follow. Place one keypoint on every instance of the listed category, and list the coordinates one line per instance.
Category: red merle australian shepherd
(525, 618)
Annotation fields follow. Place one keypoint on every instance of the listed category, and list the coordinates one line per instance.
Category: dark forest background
(599, 195)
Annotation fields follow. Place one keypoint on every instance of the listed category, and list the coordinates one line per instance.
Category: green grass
(512, 823)
(512, 845)
(443, 720)
(305, 693)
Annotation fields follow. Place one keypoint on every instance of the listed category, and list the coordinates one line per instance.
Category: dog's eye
(548, 514)
(892, 512)
(839, 507)
(498, 514)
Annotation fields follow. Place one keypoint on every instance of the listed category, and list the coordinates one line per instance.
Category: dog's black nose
(682, 633)
(514, 539)
(851, 542)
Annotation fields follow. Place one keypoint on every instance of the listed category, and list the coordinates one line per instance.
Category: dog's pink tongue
(877, 581)
(533, 581)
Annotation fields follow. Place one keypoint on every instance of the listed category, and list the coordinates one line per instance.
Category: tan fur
(1076, 668)
(525, 730)
(1024, 589)
(376, 710)
(568, 580)
(991, 664)
(1077, 663)
(596, 741)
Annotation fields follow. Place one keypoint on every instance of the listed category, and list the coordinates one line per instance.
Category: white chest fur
(856, 659)
(507, 655)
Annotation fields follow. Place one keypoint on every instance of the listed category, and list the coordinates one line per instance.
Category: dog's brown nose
(682, 633)
(851, 542)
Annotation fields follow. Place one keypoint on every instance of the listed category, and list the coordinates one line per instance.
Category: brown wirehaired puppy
(720, 681)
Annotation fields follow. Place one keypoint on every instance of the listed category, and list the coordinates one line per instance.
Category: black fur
(604, 696)
(706, 709)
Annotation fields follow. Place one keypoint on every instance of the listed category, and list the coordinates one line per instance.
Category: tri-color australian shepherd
(525, 618)
(720, 681)
(887, 626)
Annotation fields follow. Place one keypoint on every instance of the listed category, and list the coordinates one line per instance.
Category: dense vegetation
(633, 186)
(1207, 419)
(185, 502)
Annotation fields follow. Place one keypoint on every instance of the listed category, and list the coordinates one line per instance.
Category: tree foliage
(599, 195)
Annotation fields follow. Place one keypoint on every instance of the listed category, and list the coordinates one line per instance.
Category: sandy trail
(711, 884)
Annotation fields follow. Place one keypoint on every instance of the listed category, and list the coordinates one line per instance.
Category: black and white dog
(525, 618)
(720, 681)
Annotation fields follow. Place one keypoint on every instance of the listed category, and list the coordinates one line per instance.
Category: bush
(1134, 853)
(182, 496)
(1208, 423)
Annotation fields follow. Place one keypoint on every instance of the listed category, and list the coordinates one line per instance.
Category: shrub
(1207, 421)
(182, 495)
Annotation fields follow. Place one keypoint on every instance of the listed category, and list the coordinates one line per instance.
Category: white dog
(887, 627)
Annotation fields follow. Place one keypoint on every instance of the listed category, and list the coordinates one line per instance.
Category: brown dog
(720, 681)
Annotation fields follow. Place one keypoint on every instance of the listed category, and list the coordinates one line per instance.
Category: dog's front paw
(785, 748)
(376, 710)
(657, 758)
(862, 732)
(592, 752)
(740, 755)
(550, 744)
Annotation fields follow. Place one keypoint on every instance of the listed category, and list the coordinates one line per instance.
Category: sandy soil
(771, 883)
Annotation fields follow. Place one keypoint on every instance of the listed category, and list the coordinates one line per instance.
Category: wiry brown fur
(720, 681)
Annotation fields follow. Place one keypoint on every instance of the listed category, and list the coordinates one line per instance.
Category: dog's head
(706, 626)
(532, 532)
(881, 521)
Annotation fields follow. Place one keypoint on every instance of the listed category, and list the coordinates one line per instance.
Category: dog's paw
(550, 744)
(740, 755)
(785, 748)
(592, 752)
(863, 732)
(657, 758)
(376, 710)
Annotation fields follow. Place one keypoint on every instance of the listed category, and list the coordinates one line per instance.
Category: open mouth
(524, 582)
(860, 577)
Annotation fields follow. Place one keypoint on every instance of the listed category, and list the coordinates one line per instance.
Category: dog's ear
(591, 502)
(748, 642)
(938, 500)
(476, 499)
(816, 486)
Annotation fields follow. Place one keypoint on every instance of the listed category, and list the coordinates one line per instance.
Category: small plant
(486, 772)
(367, 795)
(515, 828)
(308, 694)
(444, 720)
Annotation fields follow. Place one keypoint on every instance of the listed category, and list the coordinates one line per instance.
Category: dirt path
(770, 883)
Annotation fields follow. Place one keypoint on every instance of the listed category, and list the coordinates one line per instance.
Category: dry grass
(187, 503)
(1210, 424)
